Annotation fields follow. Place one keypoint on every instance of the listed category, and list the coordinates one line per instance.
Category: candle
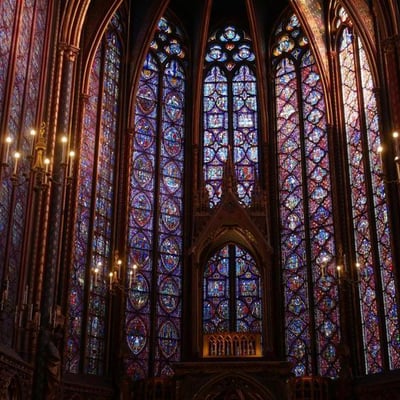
(46, 165)
(33, 134)
(111, 279)
(96, 273)
(358, 266)
(46, 169)
(396, 143)
(17, 156)
(70, 163)
(64, 141)
(396, 153)
(380, 151)
(119, 263)
(130, 278)
(397, 161)
(339, 268)
(8, 143)
(134, 271)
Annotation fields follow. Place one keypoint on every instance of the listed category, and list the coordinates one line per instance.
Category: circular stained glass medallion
(136, 334)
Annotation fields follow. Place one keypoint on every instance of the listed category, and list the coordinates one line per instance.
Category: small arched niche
(232, 293)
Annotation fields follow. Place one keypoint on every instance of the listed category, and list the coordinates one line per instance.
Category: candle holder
(113, 279)
(396, 160)
(116, 284)
(339, 272)
(39, 164)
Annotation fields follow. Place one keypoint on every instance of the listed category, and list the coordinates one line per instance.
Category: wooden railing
(232, 344)
(310, 388)
(154, 389)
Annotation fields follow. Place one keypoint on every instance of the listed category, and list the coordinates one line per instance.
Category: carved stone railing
(232, 344)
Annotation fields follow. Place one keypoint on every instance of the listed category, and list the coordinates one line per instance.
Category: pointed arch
(232, 292)
(230, 114)
(311, 14)
(232, 384)
(371, 236)
(24, 28)
(306, 205)
(155, 220)
(88, 290)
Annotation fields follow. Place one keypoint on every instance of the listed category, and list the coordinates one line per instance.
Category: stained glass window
(155, 243)
(232, 292)
(92, 259)
(230, 122)
(22, 35)
(371, 234)
(305, 196)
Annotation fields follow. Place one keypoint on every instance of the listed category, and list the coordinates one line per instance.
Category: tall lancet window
(371, 231)
(155, 242)
(230, 120)
(309, 275)
(86, 325)
(22, 46)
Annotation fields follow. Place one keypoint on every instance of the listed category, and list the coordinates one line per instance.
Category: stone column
(48, 361)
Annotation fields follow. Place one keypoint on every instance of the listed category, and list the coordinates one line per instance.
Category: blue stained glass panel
(156, 184)
(230, 100)
(294, 66)
(93, 234)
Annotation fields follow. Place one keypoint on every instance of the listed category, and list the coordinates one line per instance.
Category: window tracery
(232, 292)
(311, 295)
(155, 244)
(87, 320)
(371, 231)
(22, 36)
(230, 119)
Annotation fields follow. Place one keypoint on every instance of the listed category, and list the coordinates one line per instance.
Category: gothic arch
(312, 18)
(230, 223)
(143, 30)
(93, 37)
(363, 22)
(389, 25)
(233, 386)
(72, 22)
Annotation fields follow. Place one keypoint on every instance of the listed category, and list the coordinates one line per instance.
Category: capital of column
(70, 52)
(84, 98)
(332, 54)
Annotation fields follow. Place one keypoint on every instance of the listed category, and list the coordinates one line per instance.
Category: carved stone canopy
(230, 222)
